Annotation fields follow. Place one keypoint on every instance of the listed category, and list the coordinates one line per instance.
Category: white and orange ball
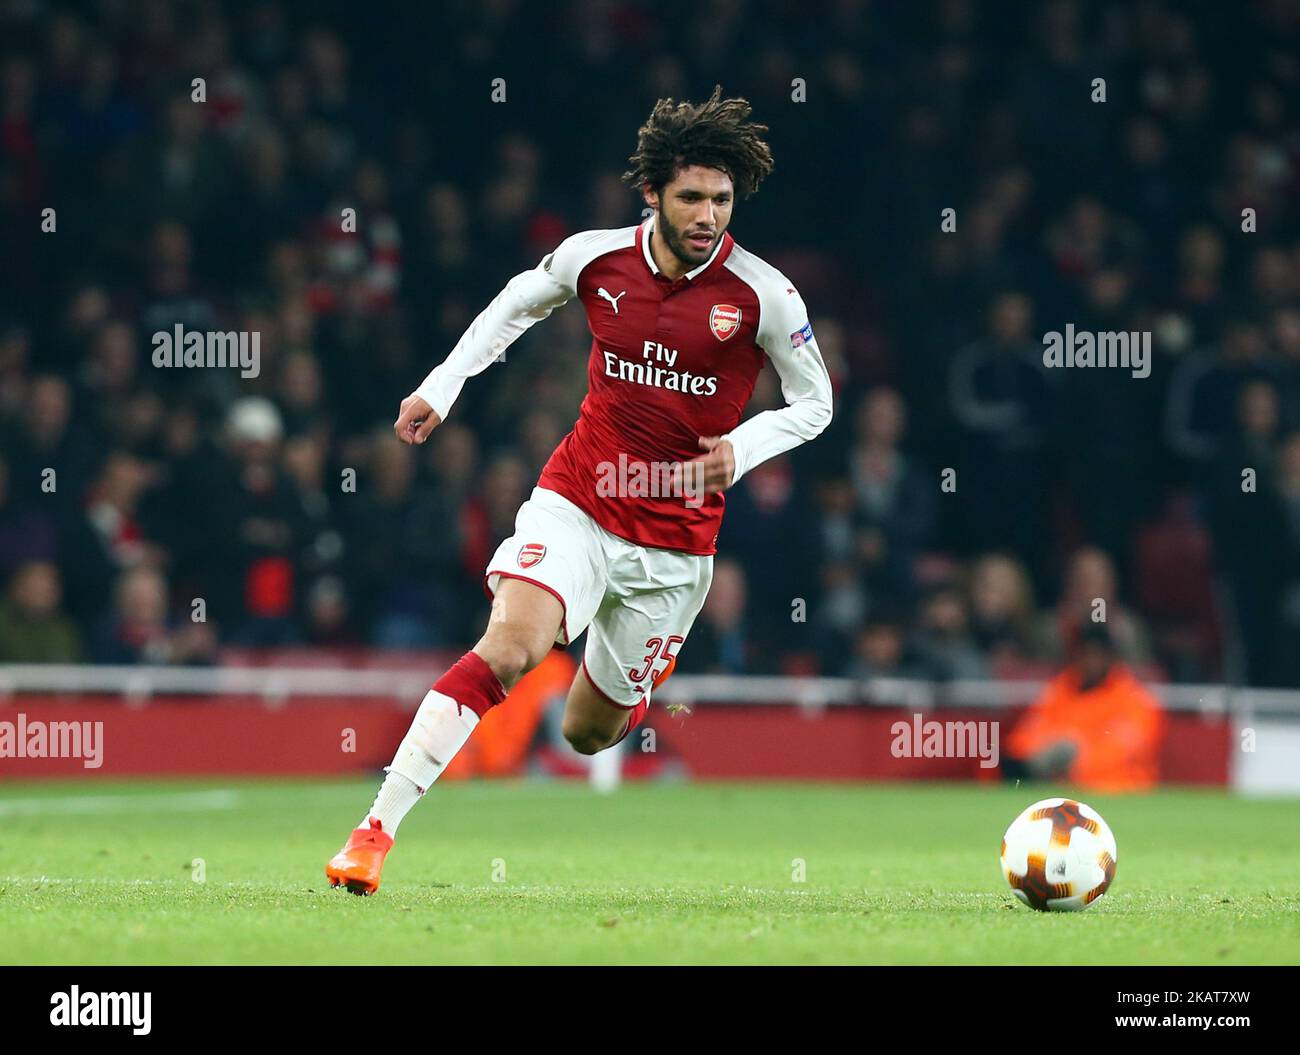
(1059, 856)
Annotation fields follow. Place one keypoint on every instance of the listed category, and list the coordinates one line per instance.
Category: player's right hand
(415, 420)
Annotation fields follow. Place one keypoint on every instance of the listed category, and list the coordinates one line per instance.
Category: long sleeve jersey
(671, 362)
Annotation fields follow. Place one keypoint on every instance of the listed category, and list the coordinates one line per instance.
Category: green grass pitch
(548, 872)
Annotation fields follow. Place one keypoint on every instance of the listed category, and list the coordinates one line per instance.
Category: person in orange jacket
(1094, 724)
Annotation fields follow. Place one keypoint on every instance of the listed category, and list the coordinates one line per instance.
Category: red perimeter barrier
(175, 735)
(854, 743)
(192, 735)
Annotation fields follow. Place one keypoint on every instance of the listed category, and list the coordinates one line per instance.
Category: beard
(675, 240)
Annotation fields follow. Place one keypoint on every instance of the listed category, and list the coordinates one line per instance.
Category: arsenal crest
(531, 554)
(724, 321)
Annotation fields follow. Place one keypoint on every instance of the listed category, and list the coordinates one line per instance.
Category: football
(1059, 856)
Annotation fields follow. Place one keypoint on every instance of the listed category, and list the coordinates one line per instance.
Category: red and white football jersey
(671, 361)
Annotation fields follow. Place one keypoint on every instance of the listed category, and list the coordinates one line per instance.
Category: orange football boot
(358, 864)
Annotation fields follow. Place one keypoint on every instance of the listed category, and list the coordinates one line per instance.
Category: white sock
(605, 769)
(397, 794)
(439, 730)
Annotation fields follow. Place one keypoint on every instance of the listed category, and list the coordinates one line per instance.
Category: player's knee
(509, 661)
(586, 739)
(510, 656)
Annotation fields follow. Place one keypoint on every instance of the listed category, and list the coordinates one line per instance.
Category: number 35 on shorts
(660, 648)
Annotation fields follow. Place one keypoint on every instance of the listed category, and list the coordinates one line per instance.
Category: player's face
(694, 210)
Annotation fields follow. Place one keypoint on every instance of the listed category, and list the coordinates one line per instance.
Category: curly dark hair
(714, 133)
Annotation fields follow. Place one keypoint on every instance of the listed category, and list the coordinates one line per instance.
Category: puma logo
(603, 292)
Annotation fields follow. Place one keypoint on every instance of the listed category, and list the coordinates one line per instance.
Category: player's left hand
(718, 465)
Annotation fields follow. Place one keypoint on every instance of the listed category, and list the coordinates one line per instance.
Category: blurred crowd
(158, 515)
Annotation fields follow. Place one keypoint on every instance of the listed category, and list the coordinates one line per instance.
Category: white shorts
(639, 602)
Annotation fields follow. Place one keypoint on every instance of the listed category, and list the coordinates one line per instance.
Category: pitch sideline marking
(220, 799)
